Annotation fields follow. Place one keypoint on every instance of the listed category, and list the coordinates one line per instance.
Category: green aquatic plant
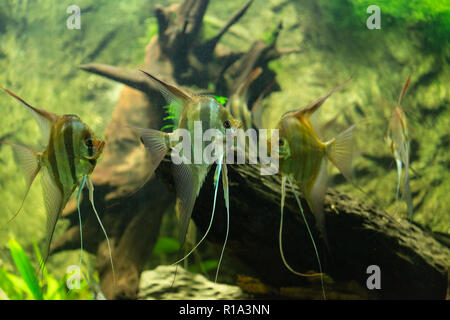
(166, 246)
(431, 17)
(204, 266)
(28, 286)
(172, 114)
(27, 272)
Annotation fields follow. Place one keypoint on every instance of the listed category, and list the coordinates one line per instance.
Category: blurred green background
(39, 59)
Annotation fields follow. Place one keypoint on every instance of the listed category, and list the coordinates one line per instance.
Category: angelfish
(237, 104)
(303, 160)
(398, 140)
(66, 163)
(189, 177)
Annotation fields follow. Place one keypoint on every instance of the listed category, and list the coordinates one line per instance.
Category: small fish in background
(238, 102)
(398, 140)
(303, 160)
(189, 178)
(66, 163)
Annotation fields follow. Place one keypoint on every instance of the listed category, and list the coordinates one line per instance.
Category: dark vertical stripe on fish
(53, 163)
(68, 143)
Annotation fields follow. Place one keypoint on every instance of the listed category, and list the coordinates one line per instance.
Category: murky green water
(40, 56)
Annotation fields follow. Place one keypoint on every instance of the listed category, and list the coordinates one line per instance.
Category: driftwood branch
(132, 78)
(207, 49)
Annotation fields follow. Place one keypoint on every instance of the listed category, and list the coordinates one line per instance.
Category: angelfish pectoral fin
(90, 186)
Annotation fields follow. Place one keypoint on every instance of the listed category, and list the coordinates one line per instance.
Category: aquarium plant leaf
(13, 286)
(23, 264)
(221, 100)
(166, 245)
(173, 113)
(205, 266)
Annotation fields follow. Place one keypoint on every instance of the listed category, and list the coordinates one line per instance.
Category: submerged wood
(413, 264)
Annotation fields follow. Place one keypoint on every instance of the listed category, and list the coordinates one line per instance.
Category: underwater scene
(224, 150)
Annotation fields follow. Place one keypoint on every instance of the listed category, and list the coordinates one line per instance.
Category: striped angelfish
(398, 140)
(66, 163)
(189, 177)
(303, 160)
(238, 102)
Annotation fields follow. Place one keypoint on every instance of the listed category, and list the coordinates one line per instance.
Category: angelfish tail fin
(340, 151)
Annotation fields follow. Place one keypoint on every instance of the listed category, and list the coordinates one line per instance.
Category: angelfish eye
(281, 142)
(88, 142)
(227, 124)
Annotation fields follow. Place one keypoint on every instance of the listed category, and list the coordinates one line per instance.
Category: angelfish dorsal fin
(405, 87)
(44, 118)
(173, 95)
(243, 88)
(313, 106)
